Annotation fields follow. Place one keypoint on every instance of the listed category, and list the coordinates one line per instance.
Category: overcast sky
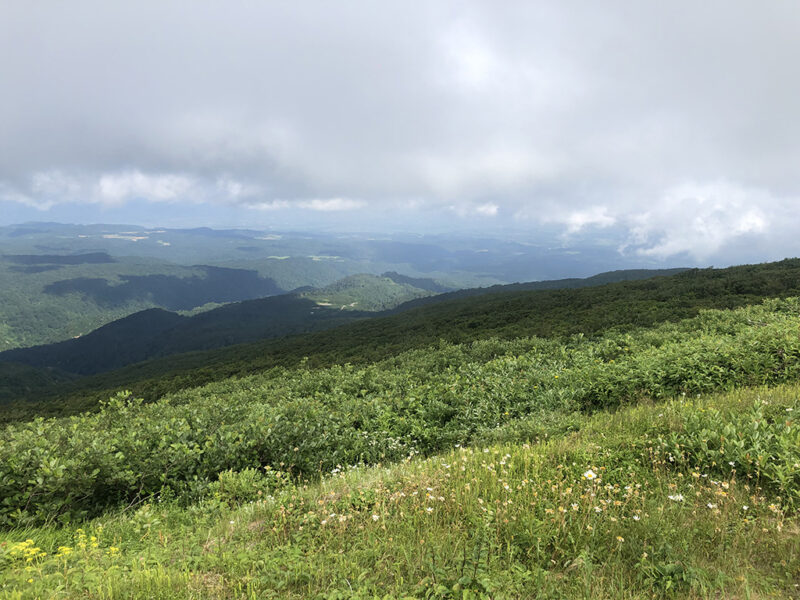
(673, 127)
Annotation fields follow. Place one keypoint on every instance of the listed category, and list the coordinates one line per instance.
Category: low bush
(313, 421)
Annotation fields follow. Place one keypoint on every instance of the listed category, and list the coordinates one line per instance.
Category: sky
(668, 129)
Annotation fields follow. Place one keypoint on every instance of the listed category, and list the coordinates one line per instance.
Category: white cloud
(465, 210)
(468, 57)
(331, 204)
(559, 110)
(269, 205)
(487, 210)
(119, 187)
(700, 219)
(577, 220)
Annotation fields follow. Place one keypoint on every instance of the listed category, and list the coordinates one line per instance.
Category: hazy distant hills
(58, 281)
(157, 333)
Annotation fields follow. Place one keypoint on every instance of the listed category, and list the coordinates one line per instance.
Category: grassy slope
(519, 517)
(425, 401)
(507, 315)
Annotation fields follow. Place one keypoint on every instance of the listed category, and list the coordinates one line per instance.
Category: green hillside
(575, 466)
(20, 381)
(135, 339)
(50, 298)
(548, 313)
(367, 292)
(155, 332)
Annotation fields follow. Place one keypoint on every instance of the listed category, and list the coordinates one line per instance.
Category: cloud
(467, 211)
(135, 184)
(487, 210)
(576, 221)
(331, 204)
(700, 220)
(537, 114)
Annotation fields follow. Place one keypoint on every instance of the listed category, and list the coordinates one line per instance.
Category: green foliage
(69, 300)
(597, 513)
(311, 421)
(247, 485)
(760, 443)
(589, 311)
(365, 292)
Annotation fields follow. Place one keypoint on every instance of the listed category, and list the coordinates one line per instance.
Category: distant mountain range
(155, 333)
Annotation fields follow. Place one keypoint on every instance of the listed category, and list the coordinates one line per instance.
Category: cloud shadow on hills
(169, 291)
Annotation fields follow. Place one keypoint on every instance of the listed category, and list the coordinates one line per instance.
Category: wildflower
(429, 509)
(375, 517)
(590, 475)
(745, 507)
(710, 505)
(636, 517)
(676, 498)
(620, 539)
(574, 506)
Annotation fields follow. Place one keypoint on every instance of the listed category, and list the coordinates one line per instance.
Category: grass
(625, 504)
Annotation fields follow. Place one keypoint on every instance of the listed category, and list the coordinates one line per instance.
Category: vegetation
(505, 315)
(369, 292)
(151, 334)
(602, 506)
(48, 303)
(636, 440)
(303, 421)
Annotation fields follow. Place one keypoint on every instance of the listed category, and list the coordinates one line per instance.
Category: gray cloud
(677, 122)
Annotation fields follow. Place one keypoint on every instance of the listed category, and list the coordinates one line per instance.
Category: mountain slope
(134, 340)
(550, 313)
(372, 292)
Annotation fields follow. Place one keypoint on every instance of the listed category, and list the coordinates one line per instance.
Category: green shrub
(308, 422)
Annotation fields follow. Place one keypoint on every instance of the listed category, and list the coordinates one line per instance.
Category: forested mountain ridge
(548, 313)
(49, 298)
(156, 333)
(58, 281)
